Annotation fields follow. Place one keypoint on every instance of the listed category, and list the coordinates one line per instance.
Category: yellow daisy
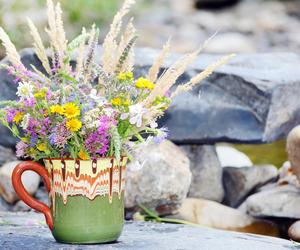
(57, 109)
(18, 117)
(74, 125)
(71, 110)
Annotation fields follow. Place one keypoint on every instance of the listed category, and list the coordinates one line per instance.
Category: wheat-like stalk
(128, 35)
(201, 76)
(154, 70)
(61, 35)
(110, 44)
(93, 40)
(39, 46)
(52, 32)
(80, 57)
(169, 77)
(11, 51)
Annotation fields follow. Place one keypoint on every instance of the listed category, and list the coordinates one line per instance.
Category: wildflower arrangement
(92, 109)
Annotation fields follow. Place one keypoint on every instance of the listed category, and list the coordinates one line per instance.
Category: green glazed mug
(86, 197)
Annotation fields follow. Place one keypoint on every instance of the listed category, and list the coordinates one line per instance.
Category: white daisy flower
(25, 90)
(135, 115)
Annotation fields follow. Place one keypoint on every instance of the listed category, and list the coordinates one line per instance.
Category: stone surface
(240, 182)
(30, 180)
(6, 155)
(42, 195)
(27, 231)
(230, 43)
(244, 101)
(215, 215)
(206, 173)
(20, 206)
(293, 149)
(163, 182)
(230, 156)
(278, 201)
(4, 206)
(294, 231)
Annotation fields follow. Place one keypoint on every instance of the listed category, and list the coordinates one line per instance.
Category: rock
(294, 231)
(42, 195)
(293, 149)
(30, 180)
(244, 101)
(4, 206)
(163, 182)
(230, 156)
(6, 155)
(240, 102)
(215, 215)
(28, 231)
(240, 182)
(214, 3)
(281, 201)
(20, 206)
(231, 43)
(206, 173)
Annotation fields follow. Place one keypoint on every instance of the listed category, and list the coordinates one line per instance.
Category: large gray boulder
(281, 201)
(240, 182)
(206, 172)
(252, 99)
(30, 180)
(163, 182)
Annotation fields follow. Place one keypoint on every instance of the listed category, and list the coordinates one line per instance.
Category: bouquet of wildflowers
(89, 110)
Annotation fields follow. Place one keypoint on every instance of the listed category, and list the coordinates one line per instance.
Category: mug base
(91, 242)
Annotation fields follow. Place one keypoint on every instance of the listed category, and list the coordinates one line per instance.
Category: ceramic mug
(86, 197)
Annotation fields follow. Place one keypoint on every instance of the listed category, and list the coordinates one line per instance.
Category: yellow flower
(57, 109)
(125, 76)
(74, 125)
(40, 94)
(41, 147)
(83, 155)
(126, 103)
(18, 117)
(116, 101)
(150, 85)
(144, 83)
(71, 110)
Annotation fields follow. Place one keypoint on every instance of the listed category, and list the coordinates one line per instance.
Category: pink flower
(21, 149)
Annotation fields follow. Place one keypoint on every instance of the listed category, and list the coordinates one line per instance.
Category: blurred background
(243, 26)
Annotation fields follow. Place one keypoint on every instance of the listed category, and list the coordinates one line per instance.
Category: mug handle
(25, 196)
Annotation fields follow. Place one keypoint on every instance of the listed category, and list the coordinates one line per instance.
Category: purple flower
(21, 148)
(30, 102)
(59, 136)
(161, 135)
(97, 143)
(48, 95)
(10, 114)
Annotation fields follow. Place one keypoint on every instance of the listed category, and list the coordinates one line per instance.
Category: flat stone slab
(28, 231)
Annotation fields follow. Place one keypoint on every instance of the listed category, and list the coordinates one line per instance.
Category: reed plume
(154, 70)
(11, 51)
(204, 74)
(39, 46)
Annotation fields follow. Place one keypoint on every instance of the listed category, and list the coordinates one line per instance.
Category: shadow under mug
(86, 197)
